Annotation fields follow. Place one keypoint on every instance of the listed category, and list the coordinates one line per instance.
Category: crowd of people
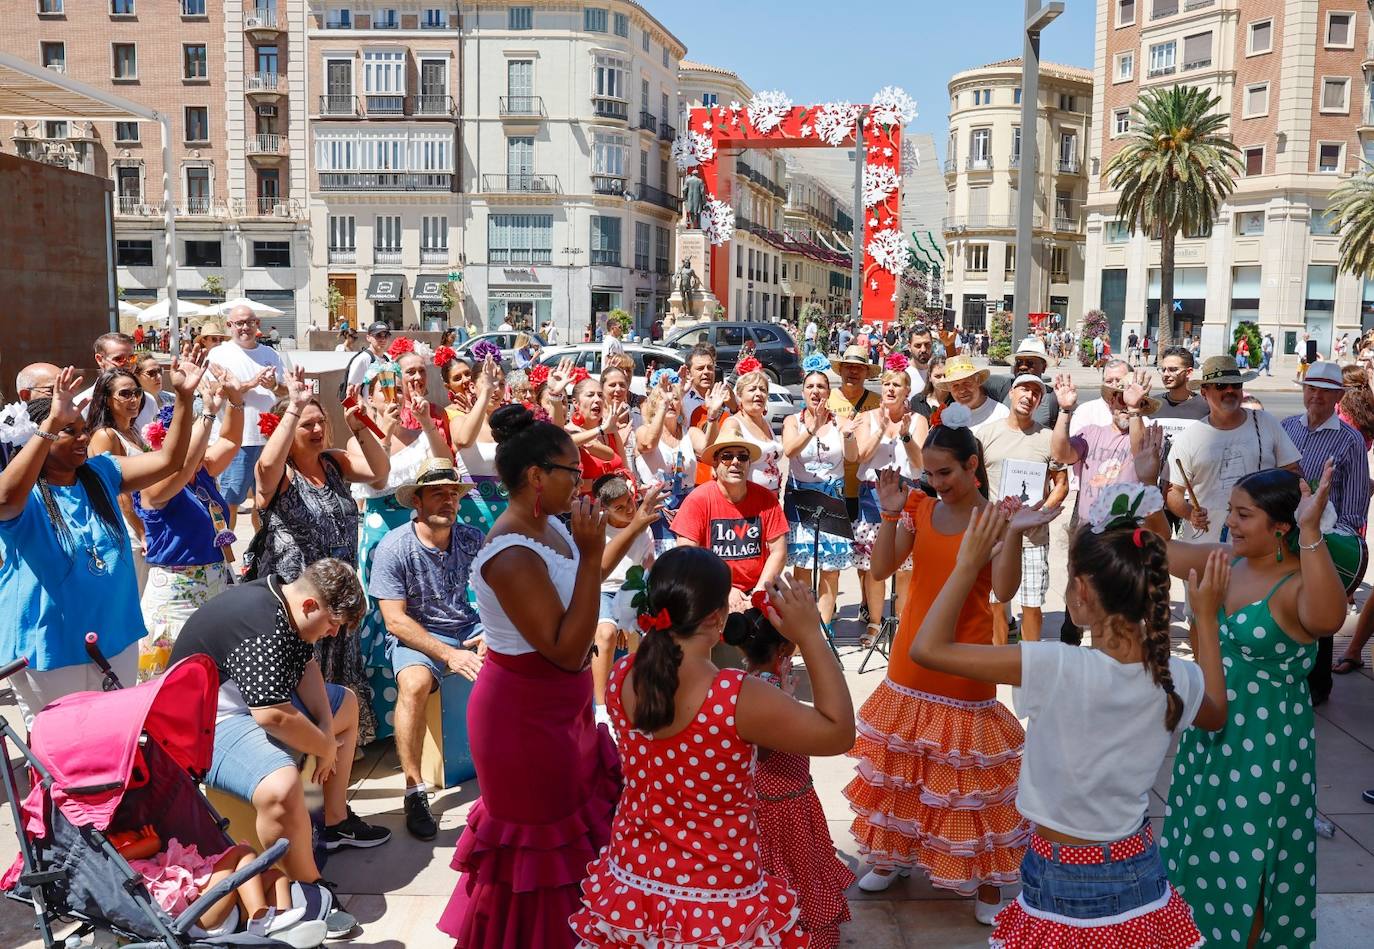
(627, 578)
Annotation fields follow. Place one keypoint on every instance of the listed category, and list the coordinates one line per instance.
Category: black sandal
(1346, 665)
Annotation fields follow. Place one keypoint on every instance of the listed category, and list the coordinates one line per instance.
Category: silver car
(588, 356)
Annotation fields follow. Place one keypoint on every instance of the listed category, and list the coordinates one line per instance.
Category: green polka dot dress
(1239, 827)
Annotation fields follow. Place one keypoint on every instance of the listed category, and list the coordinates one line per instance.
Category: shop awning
(386, 288)
(427, 287)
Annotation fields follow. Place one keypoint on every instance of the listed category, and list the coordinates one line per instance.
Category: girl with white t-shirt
(1092, 874)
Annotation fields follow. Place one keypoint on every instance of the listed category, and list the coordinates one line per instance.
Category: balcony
(434, 255)
(266, 145)
(264, 24)
(386, 255)
(522, 107)
(608, 184)
(609, 107)
(196, 207)
(268, 205)
(432, 105)
(1068, 165)
(666, 132)
(343, 255)
(1014, 162)
(385, 181)
(1059, 276)
(951, 165)
(339, 105)
(267, 86)
(1066, 223)
(520, 184)
(648, 122)
(1197, 4)
(1197, 64)
(978, 163)
(1157, 71)
(1367, 118)
(386, 105)
(659, 197)
(606, 258)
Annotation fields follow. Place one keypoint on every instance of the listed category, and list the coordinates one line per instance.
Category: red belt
(1080, 855)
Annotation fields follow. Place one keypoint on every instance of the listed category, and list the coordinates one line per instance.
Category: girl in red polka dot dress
(1092, 876)
(683, 868)
(794, 839)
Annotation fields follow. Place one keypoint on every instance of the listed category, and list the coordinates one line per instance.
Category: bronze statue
(685, 283)
(693, 198)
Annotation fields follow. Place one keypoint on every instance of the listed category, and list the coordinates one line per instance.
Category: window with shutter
(1261, 36)
(1257, 100)
(1334, 98)
(1197, 51)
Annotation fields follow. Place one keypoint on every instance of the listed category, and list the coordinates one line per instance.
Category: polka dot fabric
(1169, 926)
(1242, 802)
(683, 868)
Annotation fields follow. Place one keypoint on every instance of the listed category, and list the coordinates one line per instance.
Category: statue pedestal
(701, 303)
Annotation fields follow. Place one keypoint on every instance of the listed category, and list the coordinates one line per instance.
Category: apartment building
(223, 68)
(817, 262)
(983, 177)
(1295, 77)
(568, 195)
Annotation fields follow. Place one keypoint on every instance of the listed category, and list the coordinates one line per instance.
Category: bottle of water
(1325, 828)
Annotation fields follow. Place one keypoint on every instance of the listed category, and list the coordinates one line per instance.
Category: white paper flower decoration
(956, 415)
(892, 106)
(1124, 505)
(879, 182)
(692, 149)
(806, 131)
(735, 105)
(718, 221)
(835, 121)
(889, 251)
(707, 125)
(767, 110)
(623, 609)
(423, 350)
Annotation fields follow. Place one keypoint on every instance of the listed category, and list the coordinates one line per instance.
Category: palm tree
(1352, 215)
(1176, 168)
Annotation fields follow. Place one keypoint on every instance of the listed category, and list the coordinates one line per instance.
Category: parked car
(781, 404)
(588, 356)
(774, 347)
(504, 339)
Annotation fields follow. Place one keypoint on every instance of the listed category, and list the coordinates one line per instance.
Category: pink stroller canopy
(89, 740)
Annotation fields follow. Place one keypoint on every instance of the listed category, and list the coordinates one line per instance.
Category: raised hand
(1065, 391)
(187, 371)
(489, 377)
(588, 528)
(1136, 389)
(1207, 594)
(716, 398)
(1151, 455)
(561, 376)
(63, 411)
(619, 416)
(418, 403)
(984, 536)
(1029, 518)
(298, 391)
(213, 391)
(792, 610)
(651, 505)
(1313, 503)
(892, 494)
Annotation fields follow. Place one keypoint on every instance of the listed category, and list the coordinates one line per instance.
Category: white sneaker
(289, 928)
(985, 913)
(875, 882)
(230, 925)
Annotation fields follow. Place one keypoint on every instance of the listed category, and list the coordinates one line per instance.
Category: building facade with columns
(983, 176)
(230, 73)
(1294, 76)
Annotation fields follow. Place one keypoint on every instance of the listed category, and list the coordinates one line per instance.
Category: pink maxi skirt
(549, 780)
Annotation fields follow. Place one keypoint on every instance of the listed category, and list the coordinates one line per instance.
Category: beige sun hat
(961, 367)
(433, 473)
(212, 329)
(856, 356)
(1220, 370)
(1148, 405)
(755, 453)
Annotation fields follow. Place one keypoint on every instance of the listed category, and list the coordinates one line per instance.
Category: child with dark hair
(683, 867)
(793, 838)
(1093, 874)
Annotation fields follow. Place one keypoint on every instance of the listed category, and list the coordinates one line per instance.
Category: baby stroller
(138, 752)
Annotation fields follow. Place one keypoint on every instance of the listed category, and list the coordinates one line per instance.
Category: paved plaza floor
(398, 891)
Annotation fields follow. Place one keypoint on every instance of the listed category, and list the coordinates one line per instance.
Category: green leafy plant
(621, 318)
(448, 299)
(1250, 333)
(333, 302)
(1352, 217)
(999, 347)
(214, 285)
(1094, 325)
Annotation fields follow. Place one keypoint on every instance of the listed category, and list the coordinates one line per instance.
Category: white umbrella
(157, 313)
(259, 309)
(128, 309)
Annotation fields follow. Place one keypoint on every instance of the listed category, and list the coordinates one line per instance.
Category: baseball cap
(378, 329)
(1028, 378)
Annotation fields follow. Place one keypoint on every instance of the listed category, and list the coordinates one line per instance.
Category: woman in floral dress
(1239, 839)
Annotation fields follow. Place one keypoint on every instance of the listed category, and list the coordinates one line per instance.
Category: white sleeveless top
(479, 459)
(405, 465)
(821, 459)
(668, 459)
(767, 471)
(501, 634)
(889, 453)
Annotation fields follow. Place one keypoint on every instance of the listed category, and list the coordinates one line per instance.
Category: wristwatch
(906, 439)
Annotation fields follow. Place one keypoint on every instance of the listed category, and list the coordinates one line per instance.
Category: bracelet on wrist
(891, 517)
(1321, 539)
(46, 436)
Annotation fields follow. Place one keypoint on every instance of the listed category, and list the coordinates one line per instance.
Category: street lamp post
(1037, 18)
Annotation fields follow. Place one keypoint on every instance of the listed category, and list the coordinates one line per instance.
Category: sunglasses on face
(126, 394)
(120, 359)
(1225, 386)
(730, 457)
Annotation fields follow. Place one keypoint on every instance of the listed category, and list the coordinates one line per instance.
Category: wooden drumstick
(1188, 483)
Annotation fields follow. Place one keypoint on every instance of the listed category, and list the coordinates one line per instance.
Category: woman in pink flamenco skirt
(549, 776)
(683, 869)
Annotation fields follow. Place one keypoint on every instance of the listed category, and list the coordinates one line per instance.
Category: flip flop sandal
(1346, 665)
(867, 639)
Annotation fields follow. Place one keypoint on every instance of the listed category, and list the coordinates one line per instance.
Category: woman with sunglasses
(111, 417)
(148, 368)
(66, 568)
(186, 521)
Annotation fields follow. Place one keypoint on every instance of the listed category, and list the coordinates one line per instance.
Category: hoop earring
(538, 497)
(1279, 553)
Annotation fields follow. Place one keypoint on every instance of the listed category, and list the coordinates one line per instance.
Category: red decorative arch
(770, 121)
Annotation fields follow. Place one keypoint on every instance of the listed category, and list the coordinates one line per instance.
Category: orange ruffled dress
(938, 755)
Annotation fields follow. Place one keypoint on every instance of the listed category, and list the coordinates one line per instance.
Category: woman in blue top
(66, 568)
(186, 521)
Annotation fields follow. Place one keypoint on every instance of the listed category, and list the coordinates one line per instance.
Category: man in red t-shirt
(740, 521)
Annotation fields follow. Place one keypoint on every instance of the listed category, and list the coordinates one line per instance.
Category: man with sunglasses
(740, 521)
(1225, 446)
(112, 351)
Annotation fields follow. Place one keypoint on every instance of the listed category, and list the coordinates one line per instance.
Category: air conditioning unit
(267, 110)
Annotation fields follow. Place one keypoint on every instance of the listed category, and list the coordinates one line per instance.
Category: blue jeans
(245, 754)
(1093, 891)
(236, 482)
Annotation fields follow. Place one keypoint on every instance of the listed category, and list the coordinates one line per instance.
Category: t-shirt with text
(737, 533)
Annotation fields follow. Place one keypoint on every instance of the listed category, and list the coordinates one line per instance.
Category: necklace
(95, 563)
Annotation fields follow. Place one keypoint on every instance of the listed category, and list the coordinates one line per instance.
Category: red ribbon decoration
(759, 600)
(658, 621)
(267, 423)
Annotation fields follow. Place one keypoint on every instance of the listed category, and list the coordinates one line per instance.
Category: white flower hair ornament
(1124, 505)
(16, 428)
(953, 415)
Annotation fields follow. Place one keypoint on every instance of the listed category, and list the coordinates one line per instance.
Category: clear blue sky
(825, 51)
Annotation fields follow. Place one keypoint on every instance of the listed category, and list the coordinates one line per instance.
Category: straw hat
(755, 453)
(961, 367)
(1032, 346)
(1148, 405)
(855, 356)
(212, 329)
(1219, 370)
(433, 472)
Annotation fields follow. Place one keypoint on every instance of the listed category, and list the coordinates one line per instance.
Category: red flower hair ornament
(657, 621)
(267, 423)
(895, 363)
(443, 356)
(537, 376)
(400, 346)
(747, 365)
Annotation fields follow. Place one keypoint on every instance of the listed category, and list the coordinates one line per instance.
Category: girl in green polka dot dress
(1239, 839)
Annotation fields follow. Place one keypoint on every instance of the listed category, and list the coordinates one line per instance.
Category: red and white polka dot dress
(682, 870)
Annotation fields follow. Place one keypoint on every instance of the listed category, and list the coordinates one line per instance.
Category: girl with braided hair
(683, 868)
(1239, 836)
(1092, 874)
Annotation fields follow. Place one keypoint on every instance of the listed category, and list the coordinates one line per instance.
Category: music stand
(823, 514)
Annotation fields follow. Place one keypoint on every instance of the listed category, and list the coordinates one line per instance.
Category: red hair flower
(579, 373)
(443, 356)
(267, 423)
(154, 433)
(936, 416)
(895, 363)
(747, 365)
(537, 376)
(400, 346)
(759, 600)
(658, 621)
